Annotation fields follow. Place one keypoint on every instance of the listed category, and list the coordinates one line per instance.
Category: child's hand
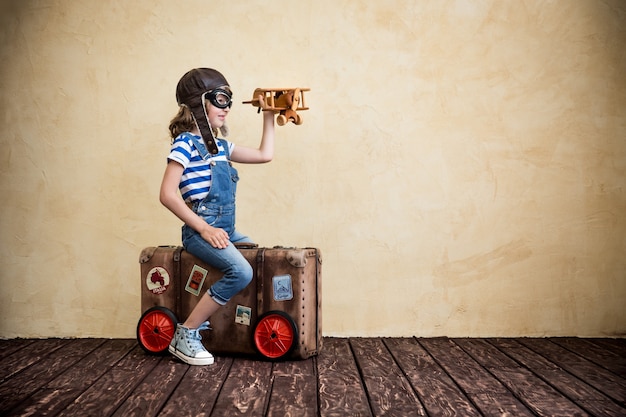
(261, 99)
(216, 237)
(264, 106)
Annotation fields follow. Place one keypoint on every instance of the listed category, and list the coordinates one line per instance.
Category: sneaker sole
(189, 360)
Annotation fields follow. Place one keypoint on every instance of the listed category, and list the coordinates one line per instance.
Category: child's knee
(245, 274)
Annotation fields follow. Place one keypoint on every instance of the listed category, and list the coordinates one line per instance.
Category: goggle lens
(220, 98)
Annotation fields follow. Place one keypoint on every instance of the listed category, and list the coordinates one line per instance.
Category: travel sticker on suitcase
(158, 280)
(283, 290)
(196, 279)
(243, 315)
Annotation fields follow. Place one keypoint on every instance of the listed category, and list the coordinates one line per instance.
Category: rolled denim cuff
(219, 300)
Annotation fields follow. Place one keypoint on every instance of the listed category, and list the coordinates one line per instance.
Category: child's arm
(265, 151)
(170, 198)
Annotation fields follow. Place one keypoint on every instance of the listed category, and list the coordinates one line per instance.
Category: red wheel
(275, 334)
(156, 329)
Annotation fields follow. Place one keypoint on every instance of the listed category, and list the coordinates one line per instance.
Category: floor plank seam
(361, 378)
(452, 378)
(548, 382)
(503, 383)
(221, 388)
(410, 382)
(537, 351)
(601, 365)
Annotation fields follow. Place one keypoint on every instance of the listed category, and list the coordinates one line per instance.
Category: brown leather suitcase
(277, 316)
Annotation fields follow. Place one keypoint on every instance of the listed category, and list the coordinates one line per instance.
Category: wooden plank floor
(350, 377)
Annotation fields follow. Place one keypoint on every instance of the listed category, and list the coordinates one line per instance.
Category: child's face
(217, 116)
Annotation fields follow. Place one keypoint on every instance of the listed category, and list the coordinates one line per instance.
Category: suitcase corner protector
(146, 254)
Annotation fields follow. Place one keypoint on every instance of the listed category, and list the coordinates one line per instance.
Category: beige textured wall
(462, 166)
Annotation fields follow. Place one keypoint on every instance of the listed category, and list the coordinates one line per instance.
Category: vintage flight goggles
(219, 97)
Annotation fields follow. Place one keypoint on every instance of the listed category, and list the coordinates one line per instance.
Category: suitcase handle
(246, 245)
(147, 253)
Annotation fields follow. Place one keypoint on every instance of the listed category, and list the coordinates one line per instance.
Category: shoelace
(195, 334)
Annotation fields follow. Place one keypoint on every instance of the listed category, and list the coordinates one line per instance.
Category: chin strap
(202, 120)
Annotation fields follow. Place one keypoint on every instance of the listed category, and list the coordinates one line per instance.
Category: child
(199, 187)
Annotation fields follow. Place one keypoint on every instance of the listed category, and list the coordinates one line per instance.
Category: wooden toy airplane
(285, 101)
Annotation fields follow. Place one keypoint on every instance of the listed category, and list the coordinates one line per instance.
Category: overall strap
(204, 154)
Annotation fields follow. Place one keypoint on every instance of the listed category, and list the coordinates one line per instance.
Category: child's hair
(182, 122)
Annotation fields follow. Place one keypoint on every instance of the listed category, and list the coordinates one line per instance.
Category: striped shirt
(196, 179)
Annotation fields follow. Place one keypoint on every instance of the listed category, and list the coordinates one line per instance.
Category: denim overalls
(218, 210)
